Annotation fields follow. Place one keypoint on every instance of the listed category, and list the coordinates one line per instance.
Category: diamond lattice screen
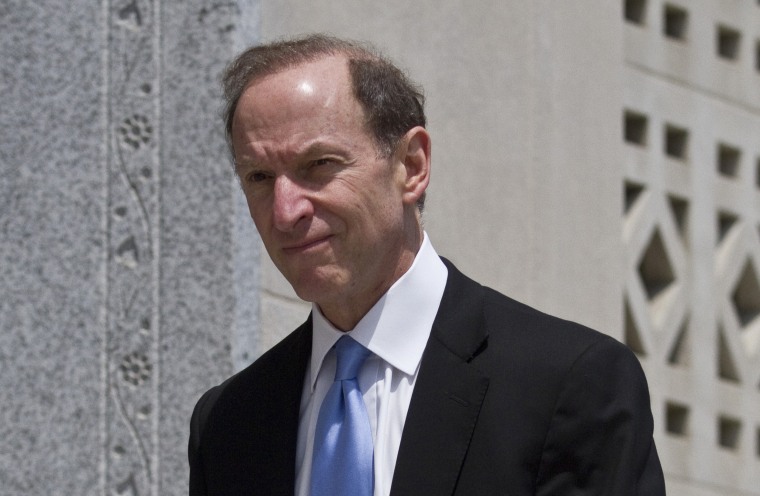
(691, 228)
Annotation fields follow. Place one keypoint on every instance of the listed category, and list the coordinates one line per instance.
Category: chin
(316, 285)
(311, 294)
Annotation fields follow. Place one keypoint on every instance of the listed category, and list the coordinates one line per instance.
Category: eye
(257, 177)
(321, 161)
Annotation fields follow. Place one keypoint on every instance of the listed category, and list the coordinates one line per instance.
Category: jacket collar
(448, 394)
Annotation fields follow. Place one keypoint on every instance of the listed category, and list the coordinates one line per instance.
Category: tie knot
(351, 355)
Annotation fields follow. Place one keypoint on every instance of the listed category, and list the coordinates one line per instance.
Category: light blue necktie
(343, 451)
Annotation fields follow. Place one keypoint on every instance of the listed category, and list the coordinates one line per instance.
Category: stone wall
(116, 214)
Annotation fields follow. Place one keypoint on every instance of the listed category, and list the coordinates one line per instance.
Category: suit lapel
(447, 395)
(283, 416)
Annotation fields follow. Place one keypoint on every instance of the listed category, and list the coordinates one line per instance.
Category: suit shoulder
(291, 350)
(542, 333)
(502, 309)
(295, 345)
(528, 332)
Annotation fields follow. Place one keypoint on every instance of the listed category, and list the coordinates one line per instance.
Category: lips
(306, 246)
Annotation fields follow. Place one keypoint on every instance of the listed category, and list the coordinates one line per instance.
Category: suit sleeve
(197, 425)
(600, 439)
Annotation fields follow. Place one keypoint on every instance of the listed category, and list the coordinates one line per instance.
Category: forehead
(305, 89)
(305, 102)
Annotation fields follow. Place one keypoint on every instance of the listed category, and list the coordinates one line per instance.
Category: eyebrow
(239, 164)
(315, 147)
(319, 146)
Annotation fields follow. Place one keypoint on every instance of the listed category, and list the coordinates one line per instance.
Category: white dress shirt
(395, 330)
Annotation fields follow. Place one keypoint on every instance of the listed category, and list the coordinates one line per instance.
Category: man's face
(330, 209)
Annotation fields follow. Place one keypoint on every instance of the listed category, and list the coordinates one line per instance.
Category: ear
(414, 154)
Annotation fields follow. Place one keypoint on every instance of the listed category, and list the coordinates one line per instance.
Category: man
(464, 391)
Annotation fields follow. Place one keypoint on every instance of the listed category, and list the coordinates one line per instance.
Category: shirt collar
(398, 326)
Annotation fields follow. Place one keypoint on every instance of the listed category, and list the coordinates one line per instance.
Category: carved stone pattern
(131, 451)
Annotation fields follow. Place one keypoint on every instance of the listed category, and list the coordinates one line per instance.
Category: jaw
(346, 276)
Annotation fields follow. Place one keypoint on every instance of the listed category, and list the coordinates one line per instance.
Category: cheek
(254, 214)
(259, 218)
(379, 221)
(257, 208)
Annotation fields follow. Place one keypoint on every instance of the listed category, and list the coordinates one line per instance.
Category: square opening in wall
(676, 419)
(728, 158)
(634, 11)
(726, 222)
(729, 432)
(757, 55)
(674, 22)
(676, 141)
(635, 128)
(631, 194)
(728, 41)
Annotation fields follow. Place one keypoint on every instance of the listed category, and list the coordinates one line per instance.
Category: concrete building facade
(597, 159)
(691, 175)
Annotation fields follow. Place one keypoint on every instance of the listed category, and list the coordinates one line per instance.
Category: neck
(347, 311)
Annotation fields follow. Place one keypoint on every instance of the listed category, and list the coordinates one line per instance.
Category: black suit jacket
(508, 401)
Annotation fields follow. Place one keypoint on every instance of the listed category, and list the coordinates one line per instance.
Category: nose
(290, 204)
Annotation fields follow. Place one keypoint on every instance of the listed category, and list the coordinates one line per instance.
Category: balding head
(392, 103)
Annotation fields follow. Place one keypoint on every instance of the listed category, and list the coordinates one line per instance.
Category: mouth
(306, 246)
